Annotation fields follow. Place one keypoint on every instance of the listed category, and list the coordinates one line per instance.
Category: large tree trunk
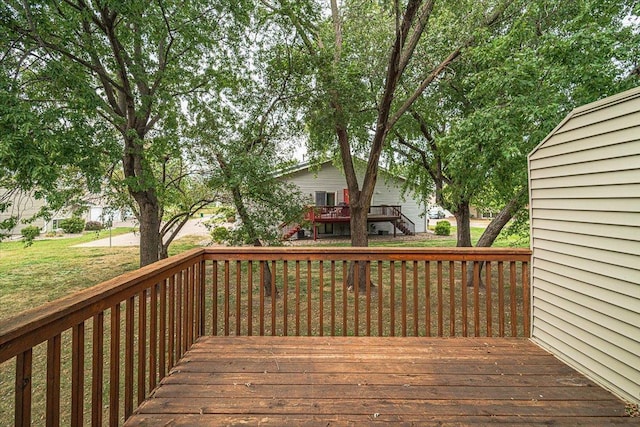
(463, 224)
(359, 238)
(137, 173)
(500, 221)
(358, 225)
(149, 219)
(494, 228)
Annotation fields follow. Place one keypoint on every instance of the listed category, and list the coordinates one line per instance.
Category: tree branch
(423, 19)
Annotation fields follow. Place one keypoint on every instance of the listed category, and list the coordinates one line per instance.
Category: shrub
(72, 225)
(443, 228)
(29, 233)
(93, 226)
(220, 234)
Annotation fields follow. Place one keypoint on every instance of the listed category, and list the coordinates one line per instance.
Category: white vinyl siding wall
(23, 206)
(584, 181)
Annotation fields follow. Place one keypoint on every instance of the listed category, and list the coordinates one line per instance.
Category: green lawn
(442, 241)
(52, 268)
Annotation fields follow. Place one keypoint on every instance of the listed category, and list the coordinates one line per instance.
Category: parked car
(436, 212)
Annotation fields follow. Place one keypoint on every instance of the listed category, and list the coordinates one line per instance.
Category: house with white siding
(584, 181)
(21, 206)
(326, 188)
(25, 208)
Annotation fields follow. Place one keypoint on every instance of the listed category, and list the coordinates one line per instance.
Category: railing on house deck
(329, 212)
(120, 338)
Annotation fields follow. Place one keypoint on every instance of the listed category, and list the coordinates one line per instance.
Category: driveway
(193, 227)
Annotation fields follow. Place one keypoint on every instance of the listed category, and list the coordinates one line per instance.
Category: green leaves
(90, 85)
(473, 128)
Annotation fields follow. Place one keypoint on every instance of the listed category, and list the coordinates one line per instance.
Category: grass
(442, 241)
(53, 268)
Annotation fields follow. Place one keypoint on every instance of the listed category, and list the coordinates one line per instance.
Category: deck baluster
(142, 345)
(128, 358)
(285, 298)
(162, 347)
(427, 297)
(309, 296)
(514, 306)
(77, 374)
(97, 369)
(53, 381)
(238, 297)
(416, 300)
(214, 297)
(403, 269)
(250, 298)
(392, 298)
(526, 304)
(380, 296)
(153, 336)
(321, 298)
(476, 298)
(114, 366)
(463, 299)
(440, 301)
(488, 309)
(274, 293)
(24, 366)
(501, 318)
(356, 299)
(452, 299)
(227, 297)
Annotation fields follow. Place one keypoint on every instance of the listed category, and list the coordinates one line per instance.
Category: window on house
(56, 223)
(325, 198)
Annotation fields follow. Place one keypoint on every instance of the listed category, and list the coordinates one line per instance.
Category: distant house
(326, 187)
(23, 206)
(584, 181)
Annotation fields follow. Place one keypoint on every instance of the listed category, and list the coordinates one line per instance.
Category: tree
(244, 137)
(185, 192)
(470, 135)
(361, 94)
(124, 66)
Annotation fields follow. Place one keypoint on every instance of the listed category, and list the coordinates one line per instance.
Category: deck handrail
(82, 304)
(145, 320)
(21, 336)
(298, 270)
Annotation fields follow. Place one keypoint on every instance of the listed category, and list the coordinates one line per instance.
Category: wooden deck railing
(97, 354)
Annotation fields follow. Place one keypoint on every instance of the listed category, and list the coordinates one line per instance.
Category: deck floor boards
(372, 380)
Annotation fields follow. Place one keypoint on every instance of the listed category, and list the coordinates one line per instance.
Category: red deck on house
(366, 380)
(342, 215)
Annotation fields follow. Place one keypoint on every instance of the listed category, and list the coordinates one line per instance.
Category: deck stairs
(402, 226)
(291, 231)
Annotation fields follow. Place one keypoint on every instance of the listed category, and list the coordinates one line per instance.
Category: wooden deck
(369, 380)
